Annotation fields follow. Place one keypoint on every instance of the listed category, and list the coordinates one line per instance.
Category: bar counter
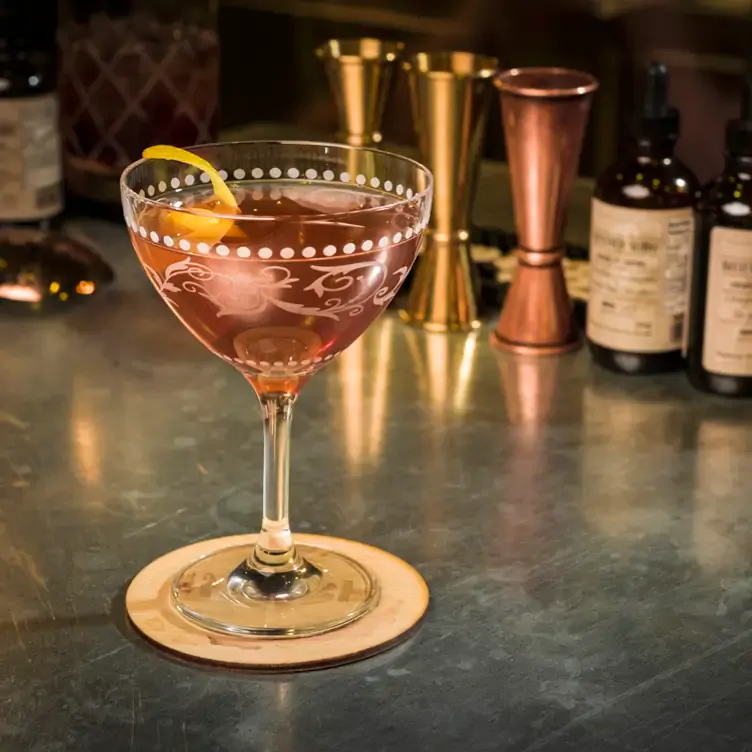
(586, 537)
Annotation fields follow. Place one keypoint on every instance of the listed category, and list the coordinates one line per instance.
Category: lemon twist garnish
(222, 192)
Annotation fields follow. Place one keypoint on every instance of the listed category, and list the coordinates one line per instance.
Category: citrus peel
(198, 223)
(174, 153)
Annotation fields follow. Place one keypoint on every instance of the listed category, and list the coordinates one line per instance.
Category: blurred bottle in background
(42, 268)
(30, 162)
(133, 73)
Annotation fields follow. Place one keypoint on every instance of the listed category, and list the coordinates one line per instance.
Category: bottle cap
(739, 130)
(656, 121)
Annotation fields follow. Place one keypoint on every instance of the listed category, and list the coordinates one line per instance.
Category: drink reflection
(630, 450)
(722, 521)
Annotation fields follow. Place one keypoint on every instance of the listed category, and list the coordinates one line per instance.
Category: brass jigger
(450, 94)
(360, 73)
(544, 111)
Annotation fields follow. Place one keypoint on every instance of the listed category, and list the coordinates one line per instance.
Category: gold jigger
(450, 94)
(544, 111)
(360, 73)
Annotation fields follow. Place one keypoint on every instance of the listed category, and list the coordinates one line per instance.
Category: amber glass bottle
(640, 244)
(719, 338)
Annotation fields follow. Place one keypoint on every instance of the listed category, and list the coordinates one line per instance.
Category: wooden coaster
(402, 603)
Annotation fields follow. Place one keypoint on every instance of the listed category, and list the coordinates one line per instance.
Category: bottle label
(639, 268)
(30, 162)
(727, 347)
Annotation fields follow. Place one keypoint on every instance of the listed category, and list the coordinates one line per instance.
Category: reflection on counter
(529, 387)
(441, 374)
(624, 496)
(431, 375)
(85, 438)
(722, 520)
(444, 370)
(360, 392)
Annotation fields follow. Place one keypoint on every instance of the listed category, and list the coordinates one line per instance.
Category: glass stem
(274, 550)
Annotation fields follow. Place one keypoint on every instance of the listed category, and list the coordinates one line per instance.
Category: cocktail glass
(325, 236)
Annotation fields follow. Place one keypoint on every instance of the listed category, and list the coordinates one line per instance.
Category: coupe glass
(325, 236)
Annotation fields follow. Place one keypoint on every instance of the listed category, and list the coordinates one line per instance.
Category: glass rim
(420, 196)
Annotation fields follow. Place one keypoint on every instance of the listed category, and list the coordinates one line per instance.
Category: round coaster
(402, 603)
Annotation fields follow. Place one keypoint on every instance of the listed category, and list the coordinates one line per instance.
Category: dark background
(270, 74)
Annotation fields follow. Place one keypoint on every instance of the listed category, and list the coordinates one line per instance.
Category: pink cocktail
(323, 240)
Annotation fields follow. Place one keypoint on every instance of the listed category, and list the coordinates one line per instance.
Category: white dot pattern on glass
(280, 364)
(284, 253)
(275, 172)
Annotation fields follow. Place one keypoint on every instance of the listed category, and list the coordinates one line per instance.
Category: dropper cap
(656, 121)
(739, 131)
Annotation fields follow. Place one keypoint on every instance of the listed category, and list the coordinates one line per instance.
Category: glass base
(220, 592)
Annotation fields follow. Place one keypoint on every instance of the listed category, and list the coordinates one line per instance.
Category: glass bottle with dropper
(719, 336)
(641, 243)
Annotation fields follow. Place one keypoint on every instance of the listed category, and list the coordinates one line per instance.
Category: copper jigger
(450, 94)
(360, 73)
(544, 111)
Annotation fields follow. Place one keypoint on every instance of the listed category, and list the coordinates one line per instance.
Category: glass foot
(327, 591)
